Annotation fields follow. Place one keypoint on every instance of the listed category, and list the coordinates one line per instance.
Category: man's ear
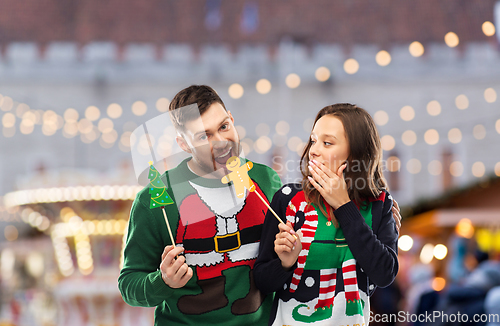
(230, 116)
(183, 144)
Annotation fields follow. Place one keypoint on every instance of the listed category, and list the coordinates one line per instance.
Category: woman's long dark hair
(363, 173)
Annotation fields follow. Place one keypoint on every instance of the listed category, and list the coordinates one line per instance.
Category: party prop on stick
(159, 195)
(241, 180)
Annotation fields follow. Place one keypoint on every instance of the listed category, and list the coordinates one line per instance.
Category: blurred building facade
(77, 78)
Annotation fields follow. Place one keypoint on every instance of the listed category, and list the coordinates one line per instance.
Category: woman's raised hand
(330, 185)
(286, 246)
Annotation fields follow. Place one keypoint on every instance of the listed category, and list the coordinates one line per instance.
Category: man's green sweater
(220, 235)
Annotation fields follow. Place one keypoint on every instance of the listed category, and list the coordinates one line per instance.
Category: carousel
(78, 222)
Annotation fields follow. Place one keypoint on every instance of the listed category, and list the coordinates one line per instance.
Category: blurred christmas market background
(76, 79)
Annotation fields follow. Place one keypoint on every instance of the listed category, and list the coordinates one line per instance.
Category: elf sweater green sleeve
(140, 278)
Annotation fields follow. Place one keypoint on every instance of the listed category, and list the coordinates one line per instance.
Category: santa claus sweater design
(220, 234)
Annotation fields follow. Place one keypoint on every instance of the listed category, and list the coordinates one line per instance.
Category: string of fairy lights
(93, 125)
(99, 126)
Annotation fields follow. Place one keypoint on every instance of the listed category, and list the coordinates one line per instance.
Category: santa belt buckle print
(228, 242)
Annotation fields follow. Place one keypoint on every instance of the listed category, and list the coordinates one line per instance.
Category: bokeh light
(7, 103)
(294, 143)
(455, 136)
(427, 253)
(11, 233)
(381, 118)
(262, 144)
(478, 169)
(440, 251)
(162, 104)
(351, 66)
(433, 108)
(435, 167)
(488, 28)
(479, 132)
(431, 137)
(242, 132)
(490, 95)
(114, 111)
(139, 108)
(263, 86)
(407, 113)
(322, 74)
(262, 129)
(405, 242)
(462, 102)
(282, 128)
(393, 164)
(388, 142)
(416, 49)
(92, 113)
(71, 115)
(85, 126)
(8, 120)
(409, 138)
(438, 284)
(308, 124)
(235, 91)
(456, 169)
(21, 109)
(105, 125)
(414, 166)
(383, 58)
(451, 39)
(464, 228)
(292, 80)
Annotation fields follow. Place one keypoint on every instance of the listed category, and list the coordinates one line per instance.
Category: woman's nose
(314, 151)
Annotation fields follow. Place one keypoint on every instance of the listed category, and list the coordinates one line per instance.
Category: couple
(233, 263)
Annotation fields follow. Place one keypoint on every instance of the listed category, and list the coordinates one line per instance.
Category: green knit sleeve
(140, 281)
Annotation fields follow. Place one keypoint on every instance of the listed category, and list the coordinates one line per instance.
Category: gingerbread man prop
(241, 180)
(239, 176)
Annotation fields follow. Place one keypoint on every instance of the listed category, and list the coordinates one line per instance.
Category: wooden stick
(272, 211)
(168, 226)
(269, 207)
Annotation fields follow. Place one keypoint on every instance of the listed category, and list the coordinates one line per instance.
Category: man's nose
(218, 141)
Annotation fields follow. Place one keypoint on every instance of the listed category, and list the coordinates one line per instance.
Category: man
(217, 232)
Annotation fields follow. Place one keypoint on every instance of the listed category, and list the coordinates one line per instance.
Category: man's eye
(224, 127)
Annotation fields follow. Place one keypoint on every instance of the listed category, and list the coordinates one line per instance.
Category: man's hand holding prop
(174, 270)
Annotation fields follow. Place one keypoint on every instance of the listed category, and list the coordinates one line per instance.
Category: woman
(340, 239)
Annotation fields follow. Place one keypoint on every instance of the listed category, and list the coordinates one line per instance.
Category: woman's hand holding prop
(287, 245)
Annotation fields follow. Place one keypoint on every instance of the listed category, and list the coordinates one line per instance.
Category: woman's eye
(204, 137)
(327, 143)
(225, 127)
(311, 141)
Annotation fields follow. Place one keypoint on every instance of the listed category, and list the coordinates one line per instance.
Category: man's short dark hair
(201, 95)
